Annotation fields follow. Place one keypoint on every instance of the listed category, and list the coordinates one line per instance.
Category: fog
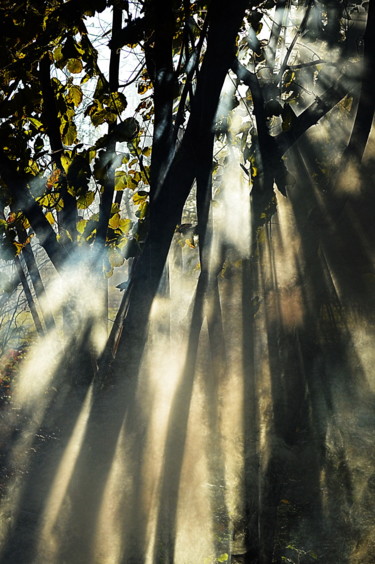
(247, 432)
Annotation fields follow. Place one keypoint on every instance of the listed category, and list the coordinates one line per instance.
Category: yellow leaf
(86, 200)
(50, 218)
(18, 247)
(74, 66)
(125, 225)
(75, 95)
(114, 222)
(190, 243)
(146, 152)
(66, 160)
(139, 198)
(121, 180)
(81, 225)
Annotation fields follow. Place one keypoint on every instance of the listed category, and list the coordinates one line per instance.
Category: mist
(242, 428)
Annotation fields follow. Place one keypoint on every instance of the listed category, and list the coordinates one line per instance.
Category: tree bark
(68, 215)
(366, 106)
(167, 205)
(24, 201)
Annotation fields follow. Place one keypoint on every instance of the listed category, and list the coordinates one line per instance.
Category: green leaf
(99, 115)
(50, 218)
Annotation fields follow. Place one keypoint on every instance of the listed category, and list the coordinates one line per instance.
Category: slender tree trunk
(109, 186)
(107, 196)
(24, 201)
(36, 279)
(166, 208)
(160, 67)
(29, 297)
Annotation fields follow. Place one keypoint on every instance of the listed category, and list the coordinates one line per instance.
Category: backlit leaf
(50, 218)
(116, 102)
(114, 221)
(75, 95)
(74, 66)
(115, 257)
(121, 180)
(83, 202)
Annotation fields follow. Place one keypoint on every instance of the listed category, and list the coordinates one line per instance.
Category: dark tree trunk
(68, 215)
(366, 105)
(166, 208)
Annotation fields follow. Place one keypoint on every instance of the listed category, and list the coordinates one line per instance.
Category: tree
(250, 84)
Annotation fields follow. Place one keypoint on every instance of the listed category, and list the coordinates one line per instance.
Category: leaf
(68, 131)
(75, 95)
(50, 218)
(288, 78)
(84, 201)
(36, 123)
(117, 102)
(102, 88)
(127, 130)
(223, 557)
(125, 226)
(114, 221)
(121, 180)
(143, 86)
(108, 273)
(74, 66)
(66, 160)
(51, 201)
(58, 56)
(53, 178)
(142, 210)
(102, 116)
(140, 197)
(81, 225)
(115, 257)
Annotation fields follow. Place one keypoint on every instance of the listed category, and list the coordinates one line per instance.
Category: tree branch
(24, 201)
(309, 117)
(68, 215)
